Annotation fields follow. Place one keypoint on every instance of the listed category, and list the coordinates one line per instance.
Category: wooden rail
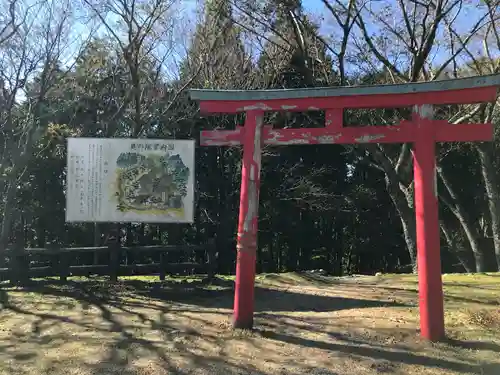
(20, 259)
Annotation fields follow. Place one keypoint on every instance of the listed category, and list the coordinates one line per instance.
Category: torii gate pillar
(423, 131)
(427, 223)
(246, 244)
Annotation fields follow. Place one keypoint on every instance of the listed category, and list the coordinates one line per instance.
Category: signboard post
(130, 180)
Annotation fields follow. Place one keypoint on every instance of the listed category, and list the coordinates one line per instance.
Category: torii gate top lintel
(451, 91)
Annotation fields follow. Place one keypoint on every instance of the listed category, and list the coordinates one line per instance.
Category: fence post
(19, 267)
(54, 257)
(14, 271)
(114, 259)
(63, 266)
(211, 255)
(163, 261)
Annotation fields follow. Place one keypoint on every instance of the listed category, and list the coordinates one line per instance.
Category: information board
(130, 180)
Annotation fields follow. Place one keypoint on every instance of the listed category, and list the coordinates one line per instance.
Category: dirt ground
(305, 324)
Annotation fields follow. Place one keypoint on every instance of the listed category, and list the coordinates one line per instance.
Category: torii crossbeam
(422, 130)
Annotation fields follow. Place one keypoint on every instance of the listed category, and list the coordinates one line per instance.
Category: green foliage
(320, 206)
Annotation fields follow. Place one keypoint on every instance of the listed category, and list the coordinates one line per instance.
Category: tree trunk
(259, 259)
(222, 228)
(407, 217)
(349, 262)
(15, 177)
(279, 248)
(469, 227)
(129, 241)
(305, 242)
(273, 264)
(489, 174)
(41, 232)
(402, 202)
(8, 217)
(474, 242)
(458, 247)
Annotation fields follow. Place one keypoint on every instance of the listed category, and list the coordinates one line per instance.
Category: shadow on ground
(200, 293)
(138, 327)
(391, 356)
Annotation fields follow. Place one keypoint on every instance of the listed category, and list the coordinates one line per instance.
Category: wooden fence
(26, 263)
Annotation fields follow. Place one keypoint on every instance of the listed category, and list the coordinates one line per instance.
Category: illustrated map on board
(151, 182)
(130, 180)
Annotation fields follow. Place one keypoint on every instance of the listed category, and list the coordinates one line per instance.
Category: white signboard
(130, 180)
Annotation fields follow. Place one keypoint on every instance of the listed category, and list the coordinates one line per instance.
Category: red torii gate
(422, 130)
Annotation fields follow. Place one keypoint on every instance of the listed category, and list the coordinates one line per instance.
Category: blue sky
(469, 14)
(328, 27)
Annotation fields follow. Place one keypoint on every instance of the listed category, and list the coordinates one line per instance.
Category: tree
(217, 42)
(342, 209)
(38, 39)
(407, 60)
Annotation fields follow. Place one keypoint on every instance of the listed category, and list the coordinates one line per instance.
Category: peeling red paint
(251, 213)
(346, 135)
(244, 241)
(254, 107)
(462, 96)
(403, 133)
(272, 136)
(214, 142)
(423, 111)
(222, 137)
(369, 138)
(248, 219)
(326, 139)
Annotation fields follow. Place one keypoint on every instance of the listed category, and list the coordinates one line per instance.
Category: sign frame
(115, 163)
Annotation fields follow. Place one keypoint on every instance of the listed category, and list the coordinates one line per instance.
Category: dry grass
(305, 324)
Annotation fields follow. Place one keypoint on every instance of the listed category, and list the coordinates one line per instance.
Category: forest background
(123, 68)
